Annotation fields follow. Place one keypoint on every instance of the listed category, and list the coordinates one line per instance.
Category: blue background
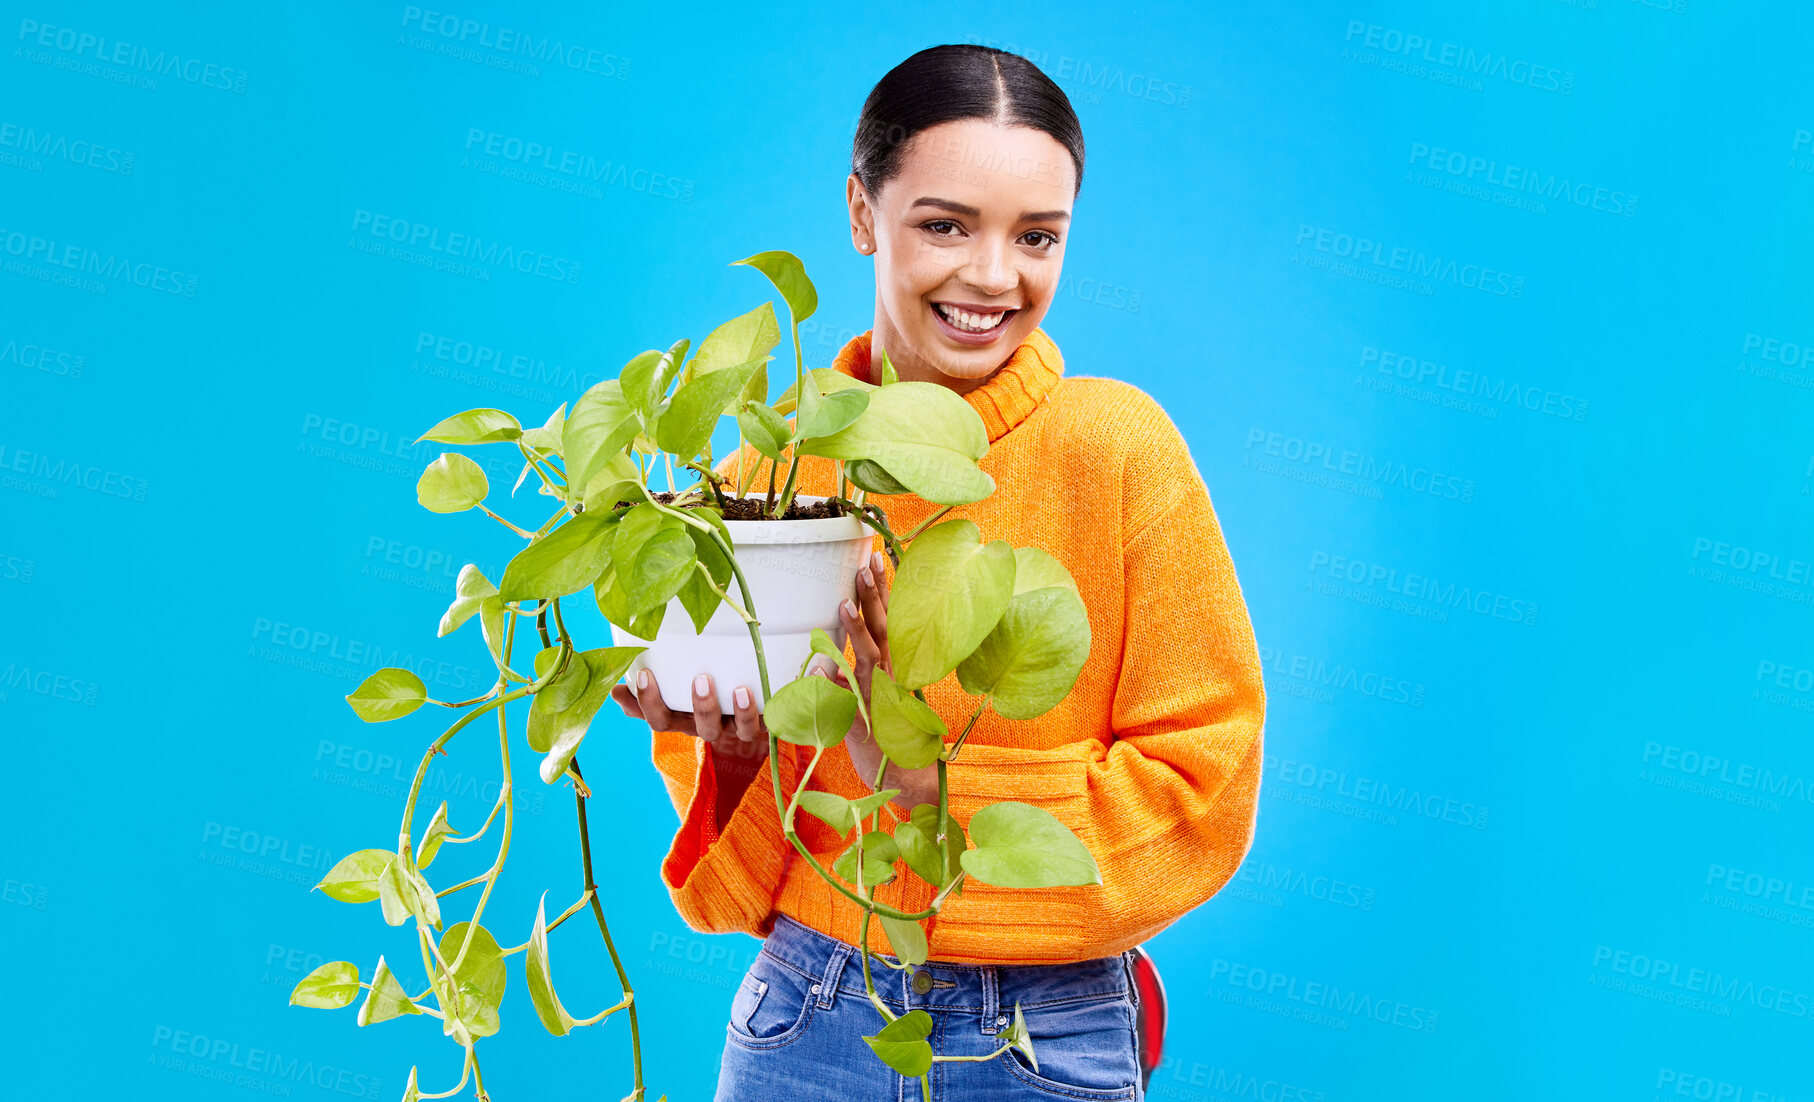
(1518, 807)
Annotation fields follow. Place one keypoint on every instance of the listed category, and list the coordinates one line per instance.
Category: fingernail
(866, 577)
(743, 697)
(642, 679)
(701, 686)
(875, 561)
(850, 609)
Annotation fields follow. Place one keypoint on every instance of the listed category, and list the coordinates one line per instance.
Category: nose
(987, 269)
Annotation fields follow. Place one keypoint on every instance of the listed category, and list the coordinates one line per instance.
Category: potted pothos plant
(682, 573)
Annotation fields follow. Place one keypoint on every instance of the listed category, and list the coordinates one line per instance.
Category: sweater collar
(1006, 398)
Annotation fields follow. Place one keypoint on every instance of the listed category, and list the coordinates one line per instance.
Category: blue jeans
(799, 1017)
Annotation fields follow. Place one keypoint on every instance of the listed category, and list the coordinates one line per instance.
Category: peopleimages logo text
(465, 246)
(1414, 263)
(1555, 187)
(508, 40)
(109, 51)
(1459, 58)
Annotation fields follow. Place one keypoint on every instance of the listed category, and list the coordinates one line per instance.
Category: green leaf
(695, 595)
(873, 477)
(686, 427)
(907, 937)
(451, 484)
(614, 605)
(765, 429)
(927, 437)
(1017, 1035)
(820, 642)
(865, 807)
(548, 1006)
(564, 561)
(470, 591)
(948, 593)
(1022, 846)
(1032, 657)
(1037, 569)
(662, 566)
(785, 271)
(387, 999)
(492, 620)
(747, 337)
(481, 978)
(829, 381)
(602, 423)
(475, 426)
(822, 415)
(672, 362)
(547, 438)
(402, 892)
(902, 1044)
(906, 729)
(565, 689)
(640, 378)
(879, 855)
(917, 839)
(557, 733)
(616, 480)
(829, 808)
(330, 987)
(354, 878)
(888, 372)
(391, 693)
(438, 830)
(811, 711)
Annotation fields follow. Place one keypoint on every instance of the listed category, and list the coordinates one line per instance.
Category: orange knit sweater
(1154, 757)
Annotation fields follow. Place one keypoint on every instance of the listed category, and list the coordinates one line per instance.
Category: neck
(908, 365)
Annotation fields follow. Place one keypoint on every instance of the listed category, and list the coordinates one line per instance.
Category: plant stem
(505, 523)
(787, 818)
(868, 982)
(598, 911)
(772, 464)
(951, 755)
(925, 524)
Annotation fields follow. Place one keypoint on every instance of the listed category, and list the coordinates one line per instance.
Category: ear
(862, 216)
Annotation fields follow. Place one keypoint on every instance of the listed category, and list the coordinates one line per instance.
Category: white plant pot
(798, 572)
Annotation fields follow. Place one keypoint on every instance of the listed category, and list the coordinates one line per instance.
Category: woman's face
(968, 239)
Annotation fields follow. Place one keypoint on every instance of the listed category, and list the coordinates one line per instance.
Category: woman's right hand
(740, 735)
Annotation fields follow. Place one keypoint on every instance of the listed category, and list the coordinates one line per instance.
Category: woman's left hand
(867, 628)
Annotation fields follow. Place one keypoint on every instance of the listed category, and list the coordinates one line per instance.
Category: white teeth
(964, 319)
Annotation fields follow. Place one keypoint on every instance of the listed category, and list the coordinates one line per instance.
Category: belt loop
(991, 977)
(834, 968)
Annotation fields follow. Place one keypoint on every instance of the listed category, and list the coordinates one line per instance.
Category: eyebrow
(961, 208)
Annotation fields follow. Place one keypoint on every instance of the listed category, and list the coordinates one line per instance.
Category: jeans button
(922, 981)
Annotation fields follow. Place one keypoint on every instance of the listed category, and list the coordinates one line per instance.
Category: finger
(862, 643)
(654, 709)
(708, 723)
(627, 701)
(746, 719)
(872, 590)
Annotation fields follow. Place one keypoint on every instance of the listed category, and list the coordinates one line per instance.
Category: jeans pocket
(772, 1005)
(1085, 1050)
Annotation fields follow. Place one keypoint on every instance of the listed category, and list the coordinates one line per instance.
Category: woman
(966, 164)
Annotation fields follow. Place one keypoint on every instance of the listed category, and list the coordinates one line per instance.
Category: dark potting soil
(757, 507)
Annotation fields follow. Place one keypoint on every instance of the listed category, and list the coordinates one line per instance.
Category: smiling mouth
(967, 321)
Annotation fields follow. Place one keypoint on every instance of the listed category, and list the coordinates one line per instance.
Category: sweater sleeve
(1167, 805)
(723, 877)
